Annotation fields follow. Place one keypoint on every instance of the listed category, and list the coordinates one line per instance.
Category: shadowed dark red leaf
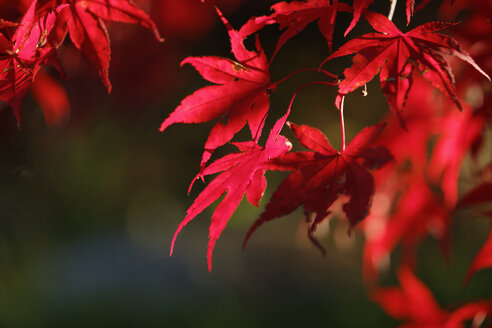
(478, 195)
(322, 175)
(5, 23)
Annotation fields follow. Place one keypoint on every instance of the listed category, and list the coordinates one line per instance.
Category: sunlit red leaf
(359, 7)
(396, 54)
(241, 94)
(294, 16)
(242, 173)
(85, 23)
(22, 56)
(409, 10)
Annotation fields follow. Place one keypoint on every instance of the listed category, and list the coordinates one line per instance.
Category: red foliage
(294, 16)
(322, 175)
(420, 185)
(394, 55)
(41, 32)
(413, 165)
(414, 303)
(32, 45)
(243, 174)
(52, 99)
(242, 93)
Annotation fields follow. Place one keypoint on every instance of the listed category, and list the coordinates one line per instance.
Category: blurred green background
(87, 210)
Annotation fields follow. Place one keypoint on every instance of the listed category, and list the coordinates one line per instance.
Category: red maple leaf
(31, 46)
(294, 16)
(418, 213)
(480, 195)
(359, 7)
(395, 55)
(412, 300)
(458, 133)
(414, 303)
(52, 98)
(483, 259)
(242, 173)
(322, 175)
(241, 94)
(5, 23)
(419, 209)
(88, 32)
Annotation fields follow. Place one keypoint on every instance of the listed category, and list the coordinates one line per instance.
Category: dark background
(88, 209)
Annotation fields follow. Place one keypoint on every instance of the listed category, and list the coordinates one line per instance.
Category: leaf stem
(333, 76)
(306, 85)
(364, 91)
(342, 123)
(392, 9)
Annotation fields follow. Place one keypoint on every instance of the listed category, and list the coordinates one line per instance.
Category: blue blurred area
(106, 281)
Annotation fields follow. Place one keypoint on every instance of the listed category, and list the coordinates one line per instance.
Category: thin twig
(342, 124)
(392, 9)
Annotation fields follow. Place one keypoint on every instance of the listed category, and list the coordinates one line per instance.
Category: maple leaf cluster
(396, 181)
(32, 43)
(409, 164)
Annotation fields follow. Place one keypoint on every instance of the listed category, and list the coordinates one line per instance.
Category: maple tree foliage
(241, 94)
(395, 54)
(40, 33)
(243, 174)
(294, 16)
(390, 159)
(414, 303)
(322, 175)
(398, 180)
